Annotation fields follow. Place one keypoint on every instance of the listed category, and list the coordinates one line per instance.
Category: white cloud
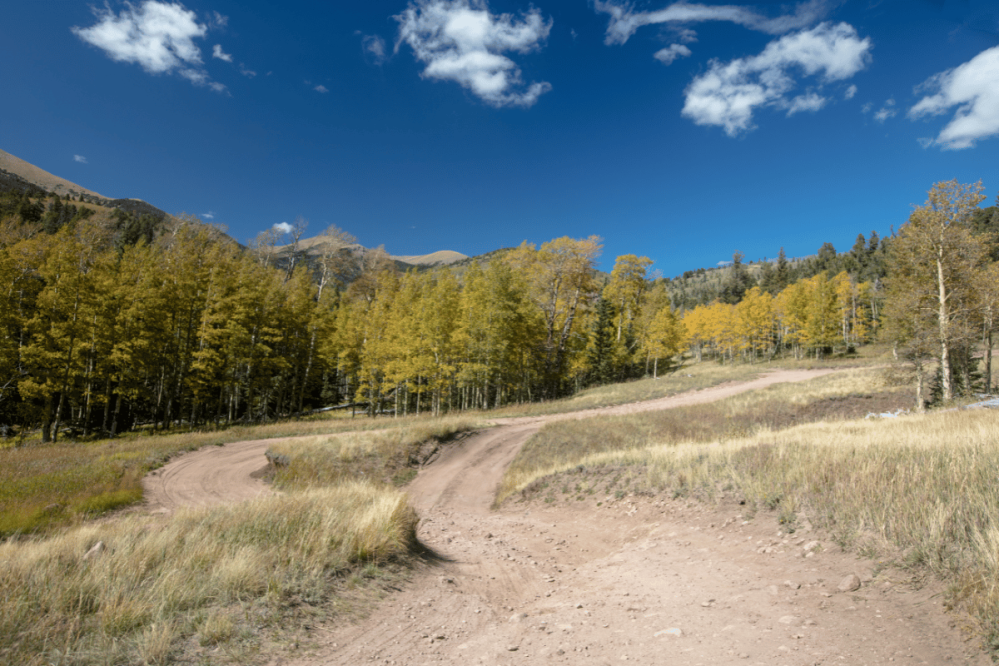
(80, 158)
(321, 88)
(667, 55)
(624, 21)
(727, 94)
(460, 40)
(374, 47)
(208, 216)
(157, 36)
(885, 112)
(807, 102)
(283, 227)
(974, 89)
(217, 52)
(219, 20)
(248, 73)
(850, 92)
(866, 108)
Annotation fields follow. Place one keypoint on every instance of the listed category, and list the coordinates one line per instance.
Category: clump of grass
(390, 457)
(57, 607)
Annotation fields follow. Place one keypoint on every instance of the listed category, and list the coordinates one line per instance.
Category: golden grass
(920, 491)
(157, 583)
(561, 446)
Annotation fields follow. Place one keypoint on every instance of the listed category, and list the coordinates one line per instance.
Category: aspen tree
(664, 338)
(932, 265)
(625, 289)
(560, 275)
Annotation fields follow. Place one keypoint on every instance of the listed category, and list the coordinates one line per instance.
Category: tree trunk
(988, 362)
(920, 402)
(948, 389)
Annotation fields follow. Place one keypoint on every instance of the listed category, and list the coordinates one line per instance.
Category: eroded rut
(609, 580)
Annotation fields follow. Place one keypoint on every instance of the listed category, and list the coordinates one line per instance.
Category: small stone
(788, 619)
(810, 546)
(850, 583)
(672, 632)
(791, 584)
(513, 648)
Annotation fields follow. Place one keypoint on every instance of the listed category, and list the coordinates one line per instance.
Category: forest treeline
(112, 321)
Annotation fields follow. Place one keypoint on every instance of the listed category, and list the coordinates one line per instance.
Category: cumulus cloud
(728, 93)
(624, 20)
(374, 48)
(850, 92)
(974, 89)
(208, 216)
(321, 89)
(80, 158)
(283, 227)
(461, 41)
(885, 112)
(217, 52)
(157, 36)
(667, 55)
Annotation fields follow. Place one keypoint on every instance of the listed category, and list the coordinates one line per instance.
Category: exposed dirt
(612, 579)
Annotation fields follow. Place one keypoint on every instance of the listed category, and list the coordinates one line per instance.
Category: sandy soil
(610, 580)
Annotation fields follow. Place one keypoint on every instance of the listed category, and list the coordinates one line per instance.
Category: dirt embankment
(610, 580)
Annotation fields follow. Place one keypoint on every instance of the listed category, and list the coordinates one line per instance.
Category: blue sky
(679, 131)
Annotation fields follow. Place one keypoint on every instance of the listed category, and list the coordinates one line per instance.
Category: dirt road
(610, 580)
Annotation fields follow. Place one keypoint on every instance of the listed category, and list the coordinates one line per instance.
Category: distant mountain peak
(41, 177)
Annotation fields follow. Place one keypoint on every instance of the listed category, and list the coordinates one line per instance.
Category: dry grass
(46, 486)
(157, 583)
(389, 457)
(919, 491)
(561, 446)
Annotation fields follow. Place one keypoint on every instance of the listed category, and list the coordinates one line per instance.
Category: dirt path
(231, 473)
(610, 580)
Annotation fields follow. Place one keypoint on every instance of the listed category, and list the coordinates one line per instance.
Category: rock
(94, 552)
(791, 584)
(673, 632)
(850, 583)
(513, 648)
(788, 619)
(810, 546)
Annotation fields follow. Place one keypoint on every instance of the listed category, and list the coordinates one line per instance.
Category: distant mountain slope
(42, 178)
(439, 258)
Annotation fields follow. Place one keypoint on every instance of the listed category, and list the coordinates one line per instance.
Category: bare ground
(607, 580)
